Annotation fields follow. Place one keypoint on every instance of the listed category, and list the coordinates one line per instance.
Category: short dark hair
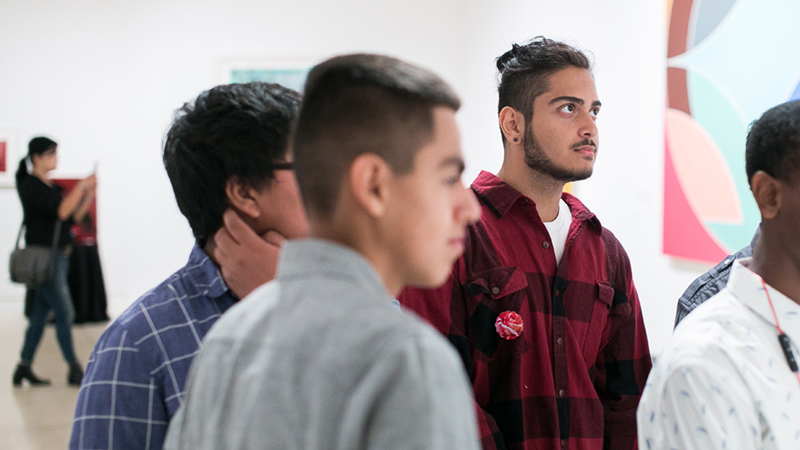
(232, 131)
(36, 146)
(525, 71)
(357, 104)
(773, 143)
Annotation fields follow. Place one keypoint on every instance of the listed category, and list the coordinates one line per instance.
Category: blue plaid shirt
(135, 378)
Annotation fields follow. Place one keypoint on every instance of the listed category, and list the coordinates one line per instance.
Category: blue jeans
(52, 295)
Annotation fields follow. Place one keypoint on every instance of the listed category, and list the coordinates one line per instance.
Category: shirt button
(561, 393)
(495, 290)
(558, 292)
(563, 443)
(560, 341)
(546, 244)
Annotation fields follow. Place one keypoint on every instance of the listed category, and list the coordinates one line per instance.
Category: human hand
(246, 259)
(89, 183)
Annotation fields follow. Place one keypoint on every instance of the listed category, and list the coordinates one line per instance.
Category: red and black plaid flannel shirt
(574, 377)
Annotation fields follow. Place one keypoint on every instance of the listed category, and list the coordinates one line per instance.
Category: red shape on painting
(680, 15)
(3, 157)
(86, 231)
(684, 235)
(677, 90)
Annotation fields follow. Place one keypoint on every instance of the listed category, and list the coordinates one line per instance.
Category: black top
(40, 208)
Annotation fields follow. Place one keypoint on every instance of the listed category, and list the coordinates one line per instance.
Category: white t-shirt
(559, 228)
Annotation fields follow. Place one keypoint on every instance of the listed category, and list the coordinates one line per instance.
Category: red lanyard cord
(783, 339)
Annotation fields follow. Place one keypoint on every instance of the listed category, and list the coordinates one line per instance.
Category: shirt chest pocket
(489, 294)
(608, 307)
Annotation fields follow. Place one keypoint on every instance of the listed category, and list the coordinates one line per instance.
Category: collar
(500, 197)
(755, 239)
(305, 258)
(203, 273)
(746, 286)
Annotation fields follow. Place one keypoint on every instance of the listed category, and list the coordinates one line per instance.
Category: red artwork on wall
(3, 157)
(86, 231)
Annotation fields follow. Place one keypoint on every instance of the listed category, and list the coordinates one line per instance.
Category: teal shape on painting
(716, 113)
(290, 78)
(796, 94)
(709, 15)
(752, 54)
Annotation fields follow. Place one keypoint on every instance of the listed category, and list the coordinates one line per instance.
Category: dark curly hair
(773, 143)
(235, 130)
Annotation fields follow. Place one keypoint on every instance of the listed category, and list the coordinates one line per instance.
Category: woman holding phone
(44, 207)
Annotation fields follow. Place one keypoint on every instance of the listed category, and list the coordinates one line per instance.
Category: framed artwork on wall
(8, 158)
(85, 231)
(290, 73)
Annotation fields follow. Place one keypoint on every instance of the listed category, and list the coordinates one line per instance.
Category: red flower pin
(508, 325)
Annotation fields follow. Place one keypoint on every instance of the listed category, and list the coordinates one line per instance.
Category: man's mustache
(585, 142)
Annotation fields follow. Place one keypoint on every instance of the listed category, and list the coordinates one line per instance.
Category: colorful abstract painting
(728, 62)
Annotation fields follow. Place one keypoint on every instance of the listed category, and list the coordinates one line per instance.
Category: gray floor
(38, 418)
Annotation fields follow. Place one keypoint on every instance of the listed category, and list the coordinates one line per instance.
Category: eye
(451, 181)
(569, 108)
(595, 112)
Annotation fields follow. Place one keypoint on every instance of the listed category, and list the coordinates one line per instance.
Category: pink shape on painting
(684, 235)
(702, 171)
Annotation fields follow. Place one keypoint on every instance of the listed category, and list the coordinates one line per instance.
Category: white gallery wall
(103, 79)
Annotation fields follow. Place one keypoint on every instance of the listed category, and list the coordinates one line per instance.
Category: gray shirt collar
(308, 258)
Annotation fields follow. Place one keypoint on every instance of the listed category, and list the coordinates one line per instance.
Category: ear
(512, 124)
(242, 197)
(368, 178)
(767, 192)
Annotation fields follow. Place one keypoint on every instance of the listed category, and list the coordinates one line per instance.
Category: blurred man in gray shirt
(320, 358)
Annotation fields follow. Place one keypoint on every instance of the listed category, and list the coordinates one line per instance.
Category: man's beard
(537, 159)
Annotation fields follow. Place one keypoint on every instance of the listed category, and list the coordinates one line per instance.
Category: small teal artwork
(290, 78)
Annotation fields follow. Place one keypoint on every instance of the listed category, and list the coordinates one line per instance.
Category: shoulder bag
(34, 264)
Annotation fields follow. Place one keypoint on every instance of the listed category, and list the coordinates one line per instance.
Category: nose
(588, 127)
(469, 210)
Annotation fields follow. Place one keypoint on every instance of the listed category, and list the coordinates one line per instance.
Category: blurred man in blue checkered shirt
(228, 158)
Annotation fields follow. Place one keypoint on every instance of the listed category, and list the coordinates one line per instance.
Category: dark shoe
(25, 373)
(75, 375)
